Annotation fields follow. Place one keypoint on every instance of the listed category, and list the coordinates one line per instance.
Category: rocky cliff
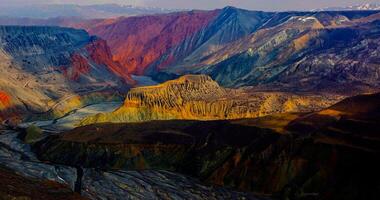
(198, 97)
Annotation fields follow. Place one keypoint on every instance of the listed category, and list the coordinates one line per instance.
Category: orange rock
(5, 100)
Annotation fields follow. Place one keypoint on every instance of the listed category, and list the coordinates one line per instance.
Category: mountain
(367, 6)
(198, 97)
(169, 39)
(305, 53)
(102, 11)
(328, 154)
(138, 42)
(42, 67)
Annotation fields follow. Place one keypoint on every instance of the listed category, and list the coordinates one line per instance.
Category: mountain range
(246, 48)
(102, 11)
(367, 6)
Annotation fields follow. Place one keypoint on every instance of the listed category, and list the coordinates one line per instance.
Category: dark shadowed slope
(14, 186)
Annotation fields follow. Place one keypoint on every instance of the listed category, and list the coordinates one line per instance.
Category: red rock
(79, 66)
(100, 53)
(137, 42)
(5, 99)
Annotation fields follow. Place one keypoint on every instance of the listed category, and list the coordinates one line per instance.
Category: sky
(209, 4)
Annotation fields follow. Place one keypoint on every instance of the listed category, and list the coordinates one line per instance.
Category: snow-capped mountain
(367, 6)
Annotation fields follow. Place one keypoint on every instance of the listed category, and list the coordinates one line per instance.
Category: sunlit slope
(198, 97)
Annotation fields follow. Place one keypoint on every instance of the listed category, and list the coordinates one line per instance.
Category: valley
(119, 102)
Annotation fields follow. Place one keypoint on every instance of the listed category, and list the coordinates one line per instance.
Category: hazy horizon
(273, 5)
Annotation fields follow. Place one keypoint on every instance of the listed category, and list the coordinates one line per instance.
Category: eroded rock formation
(198, 97)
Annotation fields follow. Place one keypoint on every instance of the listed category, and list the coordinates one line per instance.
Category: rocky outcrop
(198, 97)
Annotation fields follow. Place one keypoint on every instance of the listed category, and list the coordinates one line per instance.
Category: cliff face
(198, 97)
(329, 154)
(42, 66)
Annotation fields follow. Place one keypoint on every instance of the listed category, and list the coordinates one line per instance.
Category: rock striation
(198, 97)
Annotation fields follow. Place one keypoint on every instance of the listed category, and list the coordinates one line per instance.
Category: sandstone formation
(198, 97)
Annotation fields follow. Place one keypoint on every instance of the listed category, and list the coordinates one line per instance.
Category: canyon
(203, 104)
